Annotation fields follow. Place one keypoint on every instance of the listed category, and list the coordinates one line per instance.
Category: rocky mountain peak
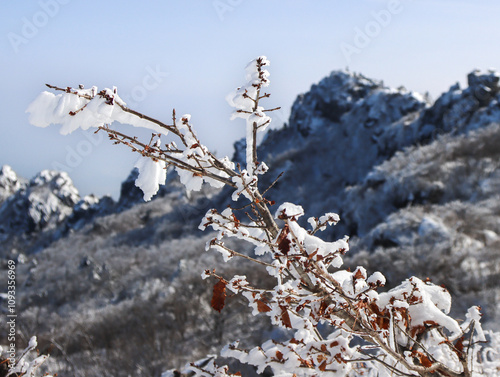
(343, 114)
(59, 183)
(41, 204)
(343, 93)
(9, 182)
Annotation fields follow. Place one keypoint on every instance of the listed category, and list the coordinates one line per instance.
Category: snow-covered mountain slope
(434, 211)
(36, 213)
(322, 152)
(416, 183)
(38, 205)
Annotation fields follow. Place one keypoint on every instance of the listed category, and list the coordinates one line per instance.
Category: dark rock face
(331, 98)
(130, 194)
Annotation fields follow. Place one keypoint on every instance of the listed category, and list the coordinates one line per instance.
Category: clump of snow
(86, 203)
(7, 175)
(329, 218)
(26, 364)
(377, 279)
(474, 316)
(9, 182)
(429, 303)
(245, 185)
(289, 210)
(152, 174)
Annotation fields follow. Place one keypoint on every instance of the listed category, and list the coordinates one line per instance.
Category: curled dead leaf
(219, 295)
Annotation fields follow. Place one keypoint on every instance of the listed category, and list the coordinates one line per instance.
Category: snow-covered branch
(26, 364)
(341, 323)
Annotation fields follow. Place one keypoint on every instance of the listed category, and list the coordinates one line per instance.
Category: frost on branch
(246, 102)
(26, 363)
(340, 324)
(152, 174)
(406, 329)
(84, 108)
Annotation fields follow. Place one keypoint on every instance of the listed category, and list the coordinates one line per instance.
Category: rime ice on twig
(86, 108)
(26, 364)
(246, 102)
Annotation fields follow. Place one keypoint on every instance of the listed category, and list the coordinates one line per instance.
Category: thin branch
(276, 108)
(235, 253)
(164, 156)
(274, 183)
(378, 360)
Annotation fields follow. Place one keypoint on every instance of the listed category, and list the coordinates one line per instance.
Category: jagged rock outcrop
(460, 110)
(415, 183)
(89, 208)
(345, 96)
(9, 182)
(43, 203)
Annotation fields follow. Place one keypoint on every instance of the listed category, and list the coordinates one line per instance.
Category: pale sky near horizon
(189, 55)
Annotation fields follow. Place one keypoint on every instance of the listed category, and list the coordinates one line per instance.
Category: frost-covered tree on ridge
(341, 324)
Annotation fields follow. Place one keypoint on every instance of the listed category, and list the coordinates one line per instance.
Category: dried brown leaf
(283, 241)
(219, 295)
(285, 317)
(262, 306)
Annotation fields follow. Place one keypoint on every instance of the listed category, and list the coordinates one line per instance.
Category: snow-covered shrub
(340, 323)
(25, 364)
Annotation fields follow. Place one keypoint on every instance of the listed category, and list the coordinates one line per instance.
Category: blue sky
(188, 55)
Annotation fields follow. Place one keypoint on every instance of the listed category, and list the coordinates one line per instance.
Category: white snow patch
(152, 174)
